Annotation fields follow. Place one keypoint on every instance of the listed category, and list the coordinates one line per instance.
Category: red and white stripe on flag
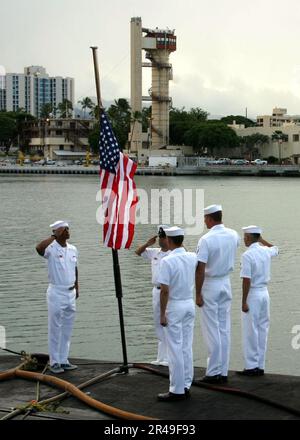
(119, 199)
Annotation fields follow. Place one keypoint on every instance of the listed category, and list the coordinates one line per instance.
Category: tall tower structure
(158, 44)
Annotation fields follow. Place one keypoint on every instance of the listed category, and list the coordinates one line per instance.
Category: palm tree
(95, 112)
(122, 105)
(279, 137)
(120, 115)
(252, 142)
(86, 103)
(46, 110)
(65, 108)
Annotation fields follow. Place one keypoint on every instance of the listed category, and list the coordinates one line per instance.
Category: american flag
(118, 189)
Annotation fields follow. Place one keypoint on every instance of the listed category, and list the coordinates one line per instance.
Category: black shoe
(261, 372)
(187, 393)
(250, 372)
(170, 397)
(224, 379)
(217, 379)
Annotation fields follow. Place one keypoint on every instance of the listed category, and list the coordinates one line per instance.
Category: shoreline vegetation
(193, 127)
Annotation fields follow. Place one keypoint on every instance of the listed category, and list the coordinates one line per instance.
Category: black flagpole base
(118, 287)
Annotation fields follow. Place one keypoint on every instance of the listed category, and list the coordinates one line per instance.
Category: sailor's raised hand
(151, 241)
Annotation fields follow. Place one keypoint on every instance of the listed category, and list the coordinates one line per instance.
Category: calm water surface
(30, 203)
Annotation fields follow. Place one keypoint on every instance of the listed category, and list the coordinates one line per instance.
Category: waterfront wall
(206, 170)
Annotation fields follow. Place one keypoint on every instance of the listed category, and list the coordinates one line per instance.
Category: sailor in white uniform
(216, 254)
(177, 280)
(155, 255)
(255, 272)
(63, 289)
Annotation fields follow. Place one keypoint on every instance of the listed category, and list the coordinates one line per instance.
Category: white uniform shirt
(256, 264)
(177, 271)
(154, 255)
(61, 263)
(217, 248)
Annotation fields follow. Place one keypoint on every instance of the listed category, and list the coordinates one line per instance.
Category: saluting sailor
(63, 289)
(216, 254)
(255, 272)
(155, 255)
(177, 280)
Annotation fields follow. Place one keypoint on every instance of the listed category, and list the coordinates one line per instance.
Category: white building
(2, 88)
(34, 88)
(277, 119)
(288, 150)
(58, 139)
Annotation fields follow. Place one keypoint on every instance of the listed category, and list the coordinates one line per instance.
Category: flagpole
(115, 256)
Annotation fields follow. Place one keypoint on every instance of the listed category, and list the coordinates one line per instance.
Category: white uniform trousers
(215, 323)
(61, 314)
(162, 353)
(255, 324)
(179, 332)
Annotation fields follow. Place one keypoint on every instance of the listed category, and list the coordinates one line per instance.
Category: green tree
(182, 120)
(209, 137)
(65, 108)
(279, 137)
(198, 115)
(120, 117)
(11, 128)
(95, 112)
(252, 143)
(47, 110)
(238, 120)
(8, 130)
(94, 139)
(86, 103)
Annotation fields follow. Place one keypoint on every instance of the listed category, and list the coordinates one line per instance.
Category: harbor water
(29, 203)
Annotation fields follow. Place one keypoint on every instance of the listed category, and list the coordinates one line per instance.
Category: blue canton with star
(108, 145)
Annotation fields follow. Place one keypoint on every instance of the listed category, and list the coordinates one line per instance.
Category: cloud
(230, 97)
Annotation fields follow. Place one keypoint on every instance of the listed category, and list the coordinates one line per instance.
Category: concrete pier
(205, 170)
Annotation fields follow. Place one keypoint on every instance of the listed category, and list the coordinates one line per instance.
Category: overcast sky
(231, 54)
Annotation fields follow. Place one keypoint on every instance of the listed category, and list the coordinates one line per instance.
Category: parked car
(240, 162)
(27, 162)
(211, 162)
(50, 162)
(223, 161)
(259, 162)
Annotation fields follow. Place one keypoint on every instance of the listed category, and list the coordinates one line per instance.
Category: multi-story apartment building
(34, 88)
(277, 119)
(58, 139)
(2, 89)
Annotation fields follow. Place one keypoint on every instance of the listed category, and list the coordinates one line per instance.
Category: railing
(191, 161)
